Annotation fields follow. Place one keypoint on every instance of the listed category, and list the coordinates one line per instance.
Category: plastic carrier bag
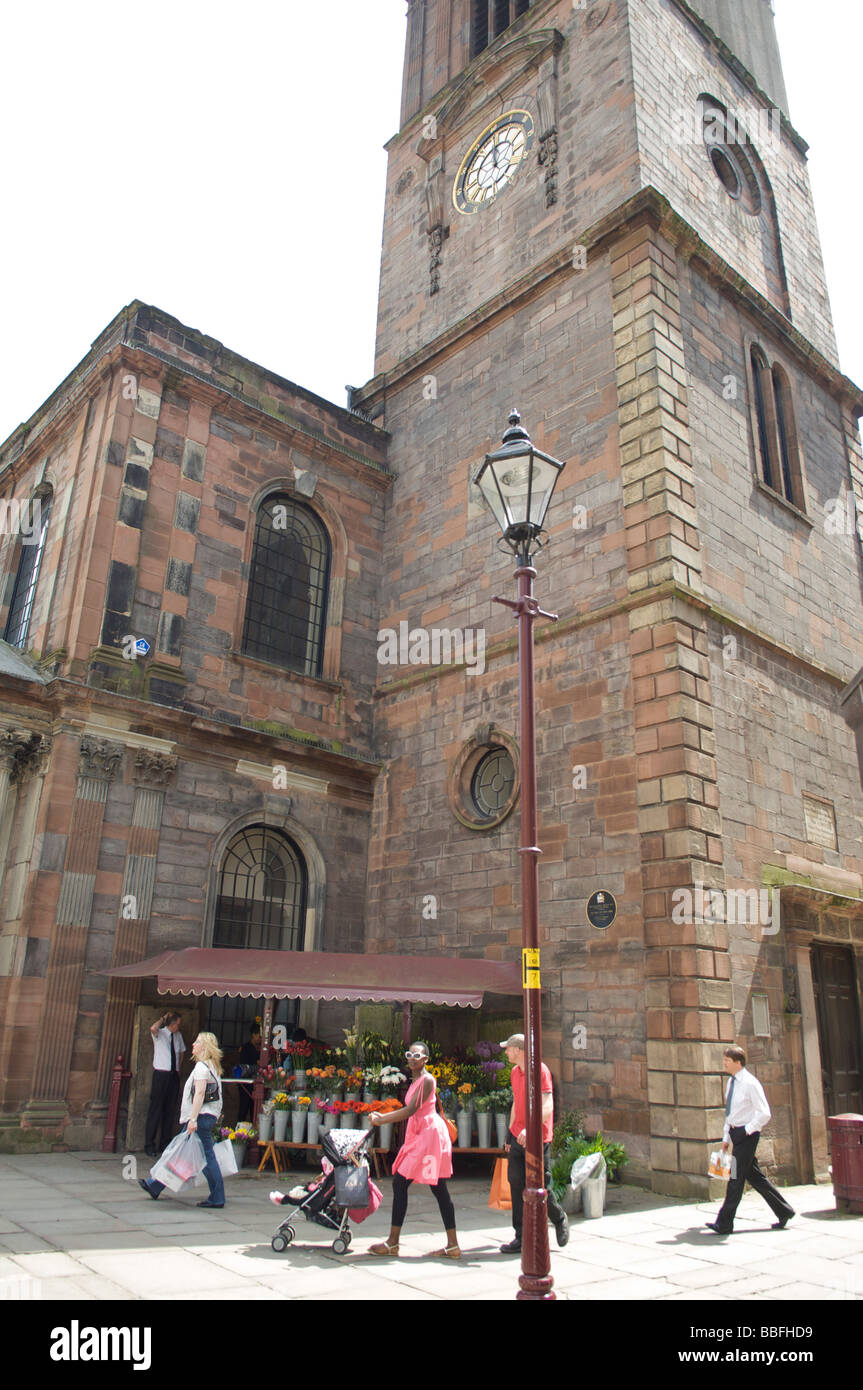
(720, 1165)
(352, 1185)
(182, 1159)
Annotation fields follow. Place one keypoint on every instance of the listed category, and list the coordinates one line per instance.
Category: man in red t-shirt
(514, 1047)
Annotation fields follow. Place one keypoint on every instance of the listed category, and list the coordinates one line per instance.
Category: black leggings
(400, 1202)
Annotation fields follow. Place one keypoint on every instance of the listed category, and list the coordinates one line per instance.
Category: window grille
(286, 607)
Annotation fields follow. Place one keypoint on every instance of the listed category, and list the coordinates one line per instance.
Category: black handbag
(212, 1091)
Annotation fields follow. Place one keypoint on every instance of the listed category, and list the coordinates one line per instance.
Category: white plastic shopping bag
(226, 1158)
(184, 1156)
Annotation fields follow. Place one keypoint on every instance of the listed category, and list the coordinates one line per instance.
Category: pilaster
(99, 762)
(688, 985)
(153, 772)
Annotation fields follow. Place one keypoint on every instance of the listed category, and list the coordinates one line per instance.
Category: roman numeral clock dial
(492, 161)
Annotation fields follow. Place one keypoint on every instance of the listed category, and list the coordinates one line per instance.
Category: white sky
(225, 163)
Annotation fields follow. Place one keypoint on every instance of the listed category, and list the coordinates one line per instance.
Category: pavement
(76, 1226)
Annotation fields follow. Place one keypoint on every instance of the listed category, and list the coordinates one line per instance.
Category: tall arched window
(488, 18)
(778, 451)
(286, 609)
(260, 906)
(32, 535)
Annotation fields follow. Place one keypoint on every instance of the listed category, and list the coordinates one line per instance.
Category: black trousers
(745, 1169)
(517, 1174)
(440, 1193)
(163, 1110)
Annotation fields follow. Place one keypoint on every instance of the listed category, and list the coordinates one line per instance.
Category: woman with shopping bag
(199, 1113)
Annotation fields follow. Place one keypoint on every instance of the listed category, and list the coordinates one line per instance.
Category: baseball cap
(514, 1040)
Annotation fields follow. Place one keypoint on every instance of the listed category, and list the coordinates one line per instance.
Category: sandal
(383, 1249)
(452, 1252)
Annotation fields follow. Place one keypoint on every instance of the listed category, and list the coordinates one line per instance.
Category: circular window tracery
(484, 781)
(492, 782)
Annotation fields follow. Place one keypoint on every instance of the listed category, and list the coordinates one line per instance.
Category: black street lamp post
(517, 482)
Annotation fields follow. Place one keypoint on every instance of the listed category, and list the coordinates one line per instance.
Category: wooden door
(835, 982)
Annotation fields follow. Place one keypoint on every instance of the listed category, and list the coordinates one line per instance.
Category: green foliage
(570, 1126)
(576, 1147)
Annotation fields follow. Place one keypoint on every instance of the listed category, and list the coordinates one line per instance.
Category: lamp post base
(535, 1281)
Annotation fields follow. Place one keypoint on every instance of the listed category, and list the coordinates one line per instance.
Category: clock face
(492, 161)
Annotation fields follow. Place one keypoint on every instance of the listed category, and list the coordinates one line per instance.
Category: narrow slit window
(759, 372)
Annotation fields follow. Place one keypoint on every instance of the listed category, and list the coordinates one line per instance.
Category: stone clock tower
(600, 213)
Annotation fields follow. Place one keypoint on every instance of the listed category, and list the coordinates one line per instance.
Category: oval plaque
(601, 909)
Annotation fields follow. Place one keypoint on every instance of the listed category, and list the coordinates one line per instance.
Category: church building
(256, 692)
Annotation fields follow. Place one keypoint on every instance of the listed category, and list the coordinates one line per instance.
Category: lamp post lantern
(517, 482)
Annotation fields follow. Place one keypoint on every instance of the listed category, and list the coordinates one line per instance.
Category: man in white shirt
(168, 1050)
(746, 1114)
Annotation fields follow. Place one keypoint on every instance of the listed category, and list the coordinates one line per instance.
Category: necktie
(730, 1094)
(174, 1060)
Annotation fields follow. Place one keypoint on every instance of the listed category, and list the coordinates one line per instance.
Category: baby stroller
(343, 1193)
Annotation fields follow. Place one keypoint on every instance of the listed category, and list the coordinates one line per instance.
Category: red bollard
(118, 1076)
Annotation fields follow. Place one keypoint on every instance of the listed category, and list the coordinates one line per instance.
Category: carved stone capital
(99, 758)
(24, 752)
(154, 769)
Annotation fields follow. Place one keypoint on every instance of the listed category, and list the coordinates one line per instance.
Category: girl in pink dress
(425, 1156)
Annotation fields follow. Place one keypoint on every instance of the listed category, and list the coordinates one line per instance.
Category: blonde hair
(210, 1051)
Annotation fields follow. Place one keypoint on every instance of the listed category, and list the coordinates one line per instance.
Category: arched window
(286, 609)
(260, 906)
(32, 534)
(488, 18)
(778, 453)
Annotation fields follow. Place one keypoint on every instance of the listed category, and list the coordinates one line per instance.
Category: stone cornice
(114, 346)
(507, 647)
(652, 207)
(194, 737)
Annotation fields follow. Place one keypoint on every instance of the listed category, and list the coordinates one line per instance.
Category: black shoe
(720, 1230)
(513, 1248)
(562, 1228)
(143, 1183)
(152, 1153)
(783, 1221)
(215, 1206)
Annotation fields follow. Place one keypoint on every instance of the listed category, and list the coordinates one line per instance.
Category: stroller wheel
(340, 1245)
(281, 1241)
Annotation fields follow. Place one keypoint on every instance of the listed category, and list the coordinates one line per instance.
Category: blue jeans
(212, 1171)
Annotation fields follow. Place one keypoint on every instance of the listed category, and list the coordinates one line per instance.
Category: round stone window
(727, 173)
(727, 146)
(484, 782)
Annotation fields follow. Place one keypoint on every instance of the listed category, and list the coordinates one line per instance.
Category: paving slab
(73, 1226)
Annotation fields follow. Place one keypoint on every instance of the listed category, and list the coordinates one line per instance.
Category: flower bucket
(348, 1120)
(299, 1081)
(313, 1126)
(330, 1121)
(280, 1125)
(239, 1153)
(265, 1127)
(298, 1126)
(385, 1137)
(464, 1124)
(501, 1124)
(483, 1125)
